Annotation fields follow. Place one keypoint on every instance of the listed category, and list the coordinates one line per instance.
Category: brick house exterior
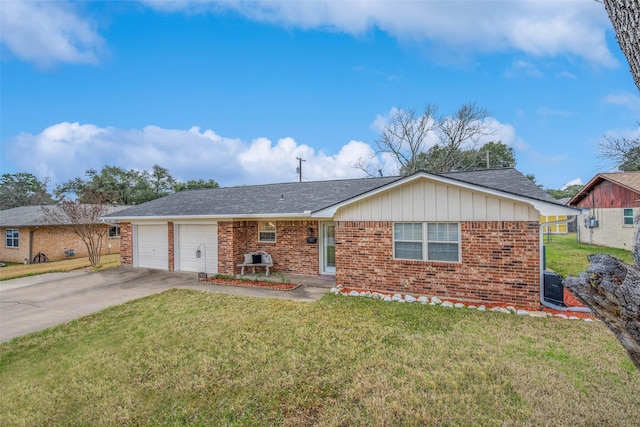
(499, 263)
(27, 232)
(472, 236)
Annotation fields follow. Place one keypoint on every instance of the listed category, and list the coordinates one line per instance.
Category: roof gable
(505, 183)
(627, 180)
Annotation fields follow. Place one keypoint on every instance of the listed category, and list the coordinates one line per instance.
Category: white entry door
(197, 248)
(327, 248)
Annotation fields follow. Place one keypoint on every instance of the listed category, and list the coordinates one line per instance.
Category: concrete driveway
(34, 303)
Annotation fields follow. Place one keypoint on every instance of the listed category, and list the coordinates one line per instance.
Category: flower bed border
(489, 306)
(248, 283)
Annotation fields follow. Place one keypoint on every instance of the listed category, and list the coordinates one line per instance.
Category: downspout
(31, 231)
(541, 239)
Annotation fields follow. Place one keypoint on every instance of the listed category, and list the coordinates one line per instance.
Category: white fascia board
(545, 208)
(550, 209)
(136, 219)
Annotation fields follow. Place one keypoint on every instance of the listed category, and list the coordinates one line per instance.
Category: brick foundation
(500, 263)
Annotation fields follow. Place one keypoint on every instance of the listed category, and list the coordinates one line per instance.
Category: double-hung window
(627, 216)
(267, 231)
(12, 238)
(114, 231)
(427, 241)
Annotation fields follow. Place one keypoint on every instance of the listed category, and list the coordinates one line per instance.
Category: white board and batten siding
(190, 238)
(434, 201)
(151, 246)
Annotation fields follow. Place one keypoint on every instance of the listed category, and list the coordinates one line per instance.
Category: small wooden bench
(256, 259)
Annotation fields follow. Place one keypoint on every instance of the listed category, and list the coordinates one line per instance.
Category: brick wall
(53, 242)
(290, 252)
(226, 258)
(171, 245)
(500, 263)
(126, 243)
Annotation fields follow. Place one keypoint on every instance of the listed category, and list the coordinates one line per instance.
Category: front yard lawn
(199, 358)
(13, 270)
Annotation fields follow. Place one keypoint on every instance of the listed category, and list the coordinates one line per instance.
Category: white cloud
(66, 150)
(521, 67)
(576, 181)
(48, 32)
(629, 100)
(537, 28)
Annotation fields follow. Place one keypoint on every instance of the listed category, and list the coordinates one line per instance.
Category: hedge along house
(29, 231)
(613, 201)
(466, 235)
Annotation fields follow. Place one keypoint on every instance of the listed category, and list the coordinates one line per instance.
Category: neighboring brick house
(468, 235)
(613, 200)
(28, 231)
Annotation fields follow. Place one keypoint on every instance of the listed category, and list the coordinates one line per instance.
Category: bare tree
(463, 130)
(611, 289)
(85, 221)
(625, 17)
(623, 152)
(405, 135)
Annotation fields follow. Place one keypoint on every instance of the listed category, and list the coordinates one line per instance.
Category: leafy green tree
(113, 184)
(499, 155)
(196, 184)
(23, 189)
(568, 191)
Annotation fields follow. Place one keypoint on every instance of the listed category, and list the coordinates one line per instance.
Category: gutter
(542, 301)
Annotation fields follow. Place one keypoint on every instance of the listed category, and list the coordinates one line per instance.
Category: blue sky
(236, 90)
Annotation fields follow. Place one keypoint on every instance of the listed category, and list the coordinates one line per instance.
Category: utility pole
(300, 160)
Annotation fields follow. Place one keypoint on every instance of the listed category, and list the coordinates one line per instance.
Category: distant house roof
(305, 198)
(35, 216)
(628, 180)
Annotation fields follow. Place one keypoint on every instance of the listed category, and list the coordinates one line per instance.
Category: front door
(328, 248)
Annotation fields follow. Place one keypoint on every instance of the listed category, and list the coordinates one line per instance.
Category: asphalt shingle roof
(34, 216)
(507, 180)
(301, 197)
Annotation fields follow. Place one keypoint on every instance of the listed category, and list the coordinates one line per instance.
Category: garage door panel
(152, 246)
(194, 237)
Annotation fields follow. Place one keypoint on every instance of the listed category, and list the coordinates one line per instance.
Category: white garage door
(192, 238)
(152, 246)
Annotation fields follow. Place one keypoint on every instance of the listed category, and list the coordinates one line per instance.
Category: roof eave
(306, 214)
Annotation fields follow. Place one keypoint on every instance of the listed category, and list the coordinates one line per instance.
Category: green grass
(568, 257)
(13, 270)
(196, 358)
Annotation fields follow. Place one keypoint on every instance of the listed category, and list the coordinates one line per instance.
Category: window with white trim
(428, 241)
(114, 231)
(627, 216)
(13, 238)
(267, 231)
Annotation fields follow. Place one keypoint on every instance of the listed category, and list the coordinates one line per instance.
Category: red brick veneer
(290, 252)
(126, 243)
(500, 263)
